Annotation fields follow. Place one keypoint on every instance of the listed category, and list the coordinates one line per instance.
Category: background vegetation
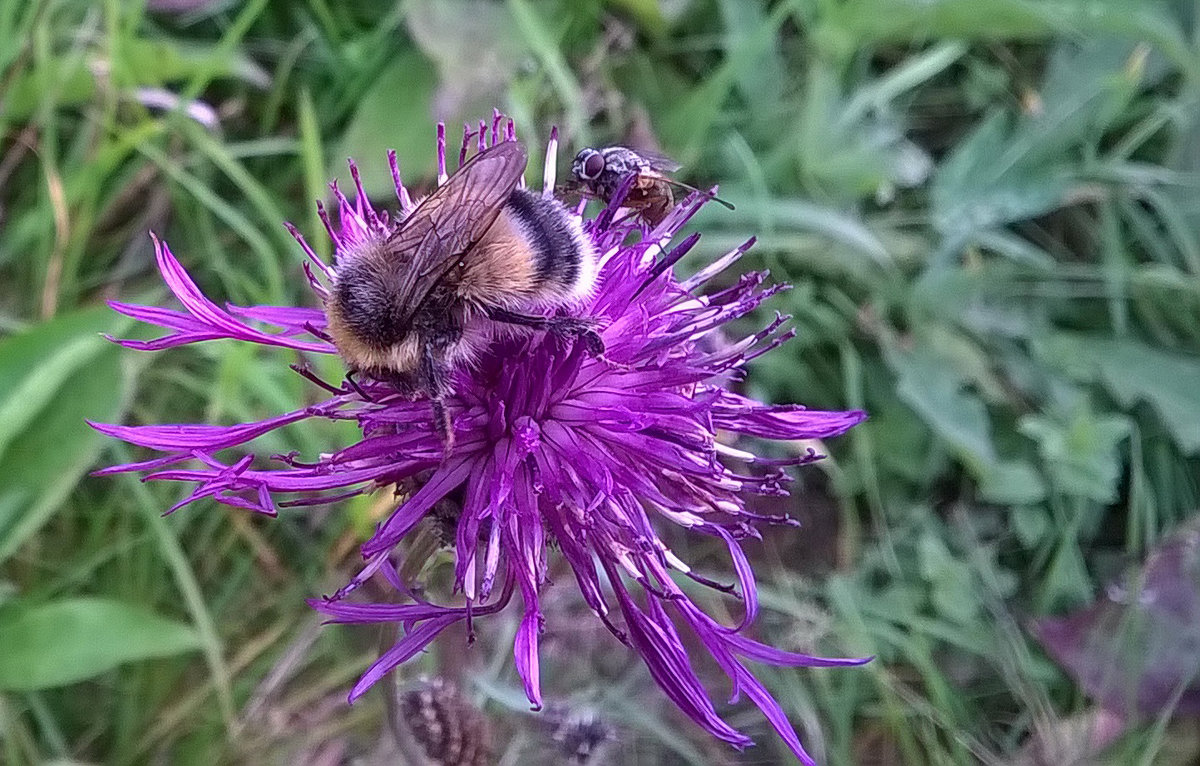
(988, 210)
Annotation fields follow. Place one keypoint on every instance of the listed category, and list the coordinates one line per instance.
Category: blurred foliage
(990, 216)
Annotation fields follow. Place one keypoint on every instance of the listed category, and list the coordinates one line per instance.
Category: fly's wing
(656, 165)
(650, 160)
(448, 223)
(661, 164)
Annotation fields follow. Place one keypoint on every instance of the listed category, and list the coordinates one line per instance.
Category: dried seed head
(581, 736)
(445, 729)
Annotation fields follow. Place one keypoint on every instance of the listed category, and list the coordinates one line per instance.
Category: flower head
(556, 452)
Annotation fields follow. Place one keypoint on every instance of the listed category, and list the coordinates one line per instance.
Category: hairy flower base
(552, 446)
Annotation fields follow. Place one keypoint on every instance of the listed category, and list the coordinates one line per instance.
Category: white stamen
(441, 152)
(675, 561)
(551, 169)
(728, 506)
(717, 266)
(469, 578)
(728, 451)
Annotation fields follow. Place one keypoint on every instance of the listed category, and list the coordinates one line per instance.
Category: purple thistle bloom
(552, 446)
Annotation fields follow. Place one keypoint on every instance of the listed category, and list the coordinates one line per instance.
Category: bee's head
(588, 165)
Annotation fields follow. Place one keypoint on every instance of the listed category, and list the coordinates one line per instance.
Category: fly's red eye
(593, 166)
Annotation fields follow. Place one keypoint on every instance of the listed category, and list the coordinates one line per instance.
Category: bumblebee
(476, 254)
(601, 172)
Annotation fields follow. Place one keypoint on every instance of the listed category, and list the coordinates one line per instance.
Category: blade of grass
(545, 47)
(189, 587)
(312, 156)
(273, 291)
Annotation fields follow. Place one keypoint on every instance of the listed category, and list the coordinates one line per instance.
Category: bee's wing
(452, 219)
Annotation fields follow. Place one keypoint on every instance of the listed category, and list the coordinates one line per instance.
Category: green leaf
(1066, 582)
(1134, 372)
(950, 580)
(395, 116)
(1009, 170)
(65, 641)
(690, 119)
(904, 442)
(936, 390)
(545, 44)
(477, 49)
(52, 378)
(972, 190)
(841, 227)
(851, 145)
(863, 20)
(1170, 383)
(762, 84)
(141, 62)
(848, 26)
(1030, 523)
(1012, 482)
(648, 14)
(1081, 451)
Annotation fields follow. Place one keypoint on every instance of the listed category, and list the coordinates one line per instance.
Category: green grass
(989, 215)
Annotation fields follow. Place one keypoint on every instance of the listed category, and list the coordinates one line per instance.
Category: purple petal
(401, 652)
(414, 509)
(196, 436)
(210, 315)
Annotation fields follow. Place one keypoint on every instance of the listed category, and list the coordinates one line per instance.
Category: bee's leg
(317, 332)
(574, 327)
(357, 388)
(305, 371)
(442, 424)
(578, 327)
(435, 379)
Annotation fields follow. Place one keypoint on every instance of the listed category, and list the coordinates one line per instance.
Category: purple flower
(552, 445)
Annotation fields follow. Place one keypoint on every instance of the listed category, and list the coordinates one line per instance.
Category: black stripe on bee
(545, 223)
